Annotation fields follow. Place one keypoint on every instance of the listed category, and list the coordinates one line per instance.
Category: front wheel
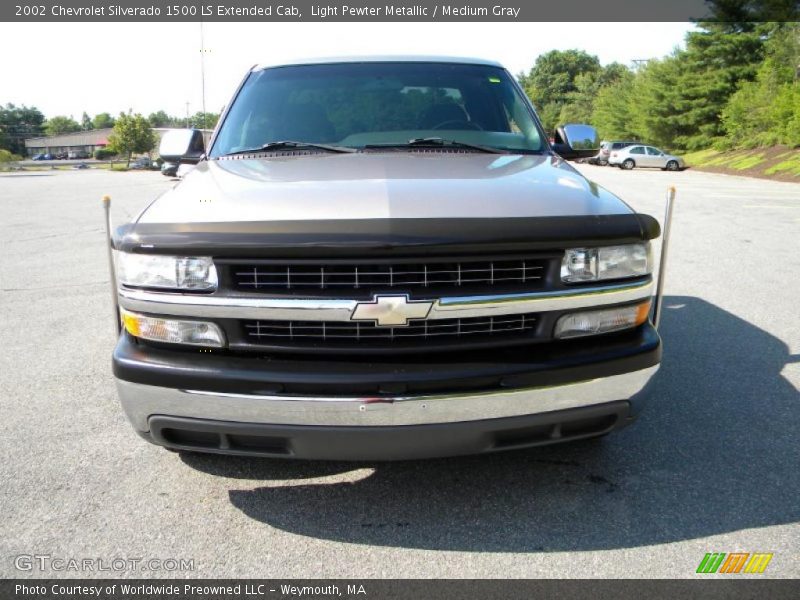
(672, 165)
(628, 164)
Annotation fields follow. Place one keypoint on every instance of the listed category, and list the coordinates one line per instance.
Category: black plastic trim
(388, 442)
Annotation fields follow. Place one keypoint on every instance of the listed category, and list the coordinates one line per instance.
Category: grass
(747, 162)
(775, 162)
(700, 158)
(790, 166)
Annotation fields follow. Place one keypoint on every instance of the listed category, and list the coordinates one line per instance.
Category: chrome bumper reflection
(142, 401)
(321, 309)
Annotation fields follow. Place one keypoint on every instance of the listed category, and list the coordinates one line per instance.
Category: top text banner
(352, 10)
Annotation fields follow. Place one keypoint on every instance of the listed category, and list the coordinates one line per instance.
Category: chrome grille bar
(333, 309)
(263, 331)
(488, 273)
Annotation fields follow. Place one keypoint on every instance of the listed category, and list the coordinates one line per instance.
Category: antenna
(203, 74)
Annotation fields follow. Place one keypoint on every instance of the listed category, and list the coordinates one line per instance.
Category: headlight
(192, 273)
(173, 331)
(601, 321)
(606, 262)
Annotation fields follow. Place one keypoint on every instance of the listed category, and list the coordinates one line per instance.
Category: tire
(672, 165)
(628, 164)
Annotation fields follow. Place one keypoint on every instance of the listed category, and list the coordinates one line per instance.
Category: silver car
(645, 156)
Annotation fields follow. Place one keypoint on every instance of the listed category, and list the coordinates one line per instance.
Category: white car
(645, 156)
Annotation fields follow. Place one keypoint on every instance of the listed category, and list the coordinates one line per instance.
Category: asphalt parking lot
(711, 466)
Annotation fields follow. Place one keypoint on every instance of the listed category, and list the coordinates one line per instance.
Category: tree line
(734, 85)
(18, 123)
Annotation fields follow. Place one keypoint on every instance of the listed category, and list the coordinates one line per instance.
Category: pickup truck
(378, 259)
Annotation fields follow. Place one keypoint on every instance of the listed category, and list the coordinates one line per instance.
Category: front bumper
(426, 408)
(388, 442)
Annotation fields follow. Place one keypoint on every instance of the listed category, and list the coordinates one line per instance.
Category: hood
(385, 185)
(387, 202)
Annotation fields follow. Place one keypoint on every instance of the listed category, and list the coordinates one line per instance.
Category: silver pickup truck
(382, 258)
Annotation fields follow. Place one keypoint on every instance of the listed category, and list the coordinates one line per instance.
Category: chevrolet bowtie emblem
(388, 311)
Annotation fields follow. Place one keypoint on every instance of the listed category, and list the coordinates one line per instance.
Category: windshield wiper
(292, 144)
(437, 142)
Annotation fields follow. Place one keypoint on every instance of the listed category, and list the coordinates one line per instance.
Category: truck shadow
(715, 451)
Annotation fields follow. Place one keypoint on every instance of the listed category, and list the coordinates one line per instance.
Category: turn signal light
(607, 320)
(173, 331)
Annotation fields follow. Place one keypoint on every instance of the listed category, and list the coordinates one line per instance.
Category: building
(82, 141)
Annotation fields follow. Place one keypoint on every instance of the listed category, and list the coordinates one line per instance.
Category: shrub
(7, 156)
(104, 153)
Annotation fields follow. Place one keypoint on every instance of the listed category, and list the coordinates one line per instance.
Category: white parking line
(771, 206)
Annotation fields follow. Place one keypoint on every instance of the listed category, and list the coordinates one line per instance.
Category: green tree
(658, 107)
(766, 111)
(715, 62)
(203, 120)
(614, 113)
(679, 99)
(580, 104)
(132, 133)
(161, 119)
(743, 14)
(60, 124)
(86, 122)
(17, 123)
(103, 121)
(551, 81)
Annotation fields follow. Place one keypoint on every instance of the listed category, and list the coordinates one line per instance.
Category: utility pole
(203, 75)
(187, 115)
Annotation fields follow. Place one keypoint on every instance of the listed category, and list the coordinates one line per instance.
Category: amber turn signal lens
(173, 331)
(607, 320)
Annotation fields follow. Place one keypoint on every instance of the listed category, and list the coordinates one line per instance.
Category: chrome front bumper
(140, 402)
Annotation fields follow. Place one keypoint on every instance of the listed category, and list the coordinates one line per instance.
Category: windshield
(368, 104)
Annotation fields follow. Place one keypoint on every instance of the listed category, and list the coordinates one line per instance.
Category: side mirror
(183, 146)
(576, 141)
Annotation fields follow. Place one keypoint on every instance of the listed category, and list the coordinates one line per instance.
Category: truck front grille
(435, 277)
(356, 332)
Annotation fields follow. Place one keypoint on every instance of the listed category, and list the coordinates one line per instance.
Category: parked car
(432, 280)
(37, 157)
(607, 147)
(169, 169)
(61, 155)
(143, 162)
(645, 156)
(77, 154)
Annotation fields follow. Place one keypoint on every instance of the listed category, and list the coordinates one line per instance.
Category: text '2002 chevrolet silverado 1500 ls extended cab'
(382, 259)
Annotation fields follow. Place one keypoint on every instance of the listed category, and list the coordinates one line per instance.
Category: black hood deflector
(353, 237)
